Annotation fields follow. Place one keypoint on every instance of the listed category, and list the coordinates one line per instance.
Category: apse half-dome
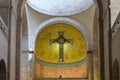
(55, 36)
(60, 7)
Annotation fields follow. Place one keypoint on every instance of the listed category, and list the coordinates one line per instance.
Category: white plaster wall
(3, 47)
(86, 18)
(35, 18)
(115, 9)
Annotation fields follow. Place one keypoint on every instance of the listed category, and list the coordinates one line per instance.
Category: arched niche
(21, 5)
(82, 28)
(60, 38)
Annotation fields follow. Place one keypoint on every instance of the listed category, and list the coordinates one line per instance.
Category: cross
(61, 40)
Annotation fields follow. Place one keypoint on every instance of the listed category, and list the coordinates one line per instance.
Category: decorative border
(61, 64)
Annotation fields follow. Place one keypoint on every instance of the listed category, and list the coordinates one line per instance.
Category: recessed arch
(76, 48)
(19, 15)
(2, 70)
(70, 21)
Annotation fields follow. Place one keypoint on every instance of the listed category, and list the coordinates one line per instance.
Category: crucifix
(61, 40)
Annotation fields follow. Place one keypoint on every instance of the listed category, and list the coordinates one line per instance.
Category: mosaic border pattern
(61, 65)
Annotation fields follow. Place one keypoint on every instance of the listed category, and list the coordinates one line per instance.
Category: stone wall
(104, 39)
(3, 50)
(3, 47)
(116, 50)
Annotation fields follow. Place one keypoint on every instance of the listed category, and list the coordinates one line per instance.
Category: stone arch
(75, 23)
(19, 14)
(2, 70)
(4, 10)
(115, 70)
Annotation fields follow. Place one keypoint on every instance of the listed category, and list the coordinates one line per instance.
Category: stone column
(90, 65)
(31, 66)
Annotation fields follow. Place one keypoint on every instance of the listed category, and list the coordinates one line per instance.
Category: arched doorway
(2, 70)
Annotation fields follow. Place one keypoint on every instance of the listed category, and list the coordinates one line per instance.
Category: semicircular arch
(82, 28)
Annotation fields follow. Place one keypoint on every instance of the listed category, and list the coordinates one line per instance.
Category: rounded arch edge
(82, 28)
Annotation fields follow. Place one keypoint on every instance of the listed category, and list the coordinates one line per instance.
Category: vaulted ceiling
(115, 9)
(60, 7)
(4, 7)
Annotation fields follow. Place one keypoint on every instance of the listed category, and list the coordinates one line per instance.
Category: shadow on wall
(2, 70)
(115, 70)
